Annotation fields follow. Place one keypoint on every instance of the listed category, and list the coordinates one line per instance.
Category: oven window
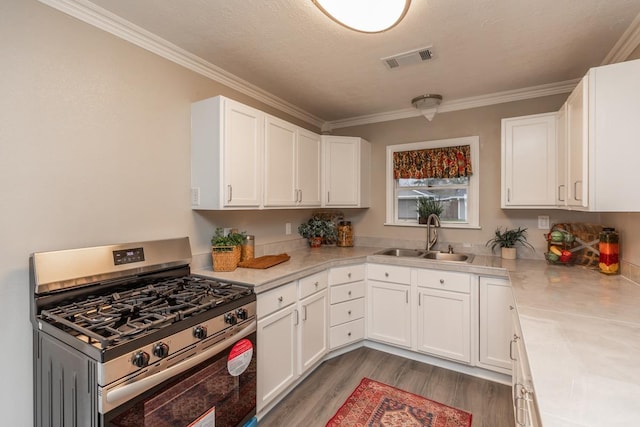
(186, 398)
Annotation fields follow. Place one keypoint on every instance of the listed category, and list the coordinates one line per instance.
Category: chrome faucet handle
(450, 249)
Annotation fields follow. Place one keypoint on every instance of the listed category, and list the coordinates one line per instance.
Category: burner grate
(131, 311)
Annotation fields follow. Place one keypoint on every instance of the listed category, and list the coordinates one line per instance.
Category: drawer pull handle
(442, 281)
(280, 299)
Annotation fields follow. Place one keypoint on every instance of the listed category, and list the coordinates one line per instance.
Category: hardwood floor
(317, 399)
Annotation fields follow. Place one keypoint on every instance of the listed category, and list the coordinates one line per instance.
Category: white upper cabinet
(280, 163)
(561, 158)
(226, 155)
(243, 158)
(346, 171)
(529, 161)
(602, 133)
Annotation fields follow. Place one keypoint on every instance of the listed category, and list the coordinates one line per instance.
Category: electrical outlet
(543, 222)
(195, 196)
(287, 228)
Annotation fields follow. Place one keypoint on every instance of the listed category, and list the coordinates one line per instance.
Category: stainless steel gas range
(124, 336)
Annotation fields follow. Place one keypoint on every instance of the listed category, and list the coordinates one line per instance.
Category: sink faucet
(432, 222)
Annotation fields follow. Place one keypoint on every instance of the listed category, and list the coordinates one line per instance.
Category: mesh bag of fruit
(573, 243)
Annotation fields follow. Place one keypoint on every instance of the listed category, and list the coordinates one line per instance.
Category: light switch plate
(543, 222)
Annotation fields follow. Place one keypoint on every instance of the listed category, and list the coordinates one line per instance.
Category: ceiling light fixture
(427, 104)
(367, 16)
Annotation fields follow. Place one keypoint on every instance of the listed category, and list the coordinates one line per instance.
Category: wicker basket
(225, 258)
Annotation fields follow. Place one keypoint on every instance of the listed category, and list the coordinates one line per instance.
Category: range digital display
(128, 256)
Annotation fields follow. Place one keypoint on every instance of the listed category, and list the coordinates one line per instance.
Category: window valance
(445, 162)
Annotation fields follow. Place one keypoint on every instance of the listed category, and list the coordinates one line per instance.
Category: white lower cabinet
(496, 327)
(525, 407)
(346, 318)
(292, 334)
(444, 314)
(389, 304)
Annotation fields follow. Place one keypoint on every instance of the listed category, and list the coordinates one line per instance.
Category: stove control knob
(242, 314)
(140, 359)
(161, 350)
(200, 332)
(230, 319)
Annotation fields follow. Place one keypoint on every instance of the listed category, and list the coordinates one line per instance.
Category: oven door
(220, 392)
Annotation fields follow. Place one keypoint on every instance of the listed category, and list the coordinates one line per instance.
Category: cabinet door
(496, 330)
(529, 161)
(342, 172)
(577, 134)
(280, 163)
(242, 154)
(309, 163)
(277, 344)
(389, 313)
(561, 158)
(444, 324)
(313, 330)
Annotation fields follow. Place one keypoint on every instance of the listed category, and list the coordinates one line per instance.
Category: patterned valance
(446, 162)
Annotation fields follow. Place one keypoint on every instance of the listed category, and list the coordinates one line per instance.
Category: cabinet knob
(280, 299)
(442, 281)
(349, 293)
(386, 274)
(349, 275)
(510, 307)
(349, 312)
(316, 284)
(349, 334)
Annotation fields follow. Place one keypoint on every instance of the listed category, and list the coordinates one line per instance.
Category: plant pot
(508, 253)
(315, 242)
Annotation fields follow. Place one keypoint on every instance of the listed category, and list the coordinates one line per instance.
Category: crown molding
(100, 18)
(459, 104)
(625, 45)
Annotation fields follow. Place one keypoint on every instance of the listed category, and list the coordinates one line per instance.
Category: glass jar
(345, 234)
(248, 248)
(609, 261)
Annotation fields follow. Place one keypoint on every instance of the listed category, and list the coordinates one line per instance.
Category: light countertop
(581, 329)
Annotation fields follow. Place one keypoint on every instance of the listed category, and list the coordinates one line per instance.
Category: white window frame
(473, 196)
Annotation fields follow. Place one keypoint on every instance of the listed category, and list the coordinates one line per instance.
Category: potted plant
(507, 241)
(317, 229)
(428, 206)
(225, 249)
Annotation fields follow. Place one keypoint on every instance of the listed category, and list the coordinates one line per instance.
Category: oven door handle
(126, 392)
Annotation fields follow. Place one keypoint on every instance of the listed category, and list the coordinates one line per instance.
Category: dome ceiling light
(427, 104)
(367, 16)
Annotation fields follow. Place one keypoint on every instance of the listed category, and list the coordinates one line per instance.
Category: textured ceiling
(292, 50)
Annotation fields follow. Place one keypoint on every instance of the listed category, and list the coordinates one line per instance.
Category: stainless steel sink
(445, 256)
(413, 253)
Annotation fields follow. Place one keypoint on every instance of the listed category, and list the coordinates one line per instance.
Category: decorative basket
(225, 258)
(579, 239)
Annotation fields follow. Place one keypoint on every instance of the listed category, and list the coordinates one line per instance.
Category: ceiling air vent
(416, 56)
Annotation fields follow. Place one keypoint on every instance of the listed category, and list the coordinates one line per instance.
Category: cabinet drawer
(346, 333)
(275, 299)
(342, 293)
(346, 274)
(312, 284)
(389, 273)
(347, 311)
(444, 280)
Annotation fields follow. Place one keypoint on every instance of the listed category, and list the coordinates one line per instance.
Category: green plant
(317, 227)
(509, 238)
(428, 206)
(222, 242)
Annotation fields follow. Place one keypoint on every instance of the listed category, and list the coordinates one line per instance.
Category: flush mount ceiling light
(427, 104)
(367, 16)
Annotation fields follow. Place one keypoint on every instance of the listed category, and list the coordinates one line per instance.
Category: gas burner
(141, 307)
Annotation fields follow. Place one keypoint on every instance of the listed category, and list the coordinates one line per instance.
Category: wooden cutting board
(264, 261)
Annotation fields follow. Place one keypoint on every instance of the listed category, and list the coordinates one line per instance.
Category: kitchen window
(458, 192)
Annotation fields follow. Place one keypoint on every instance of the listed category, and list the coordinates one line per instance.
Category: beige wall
(484, 122)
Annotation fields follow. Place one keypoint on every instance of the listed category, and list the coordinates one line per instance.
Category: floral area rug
(373, 404)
